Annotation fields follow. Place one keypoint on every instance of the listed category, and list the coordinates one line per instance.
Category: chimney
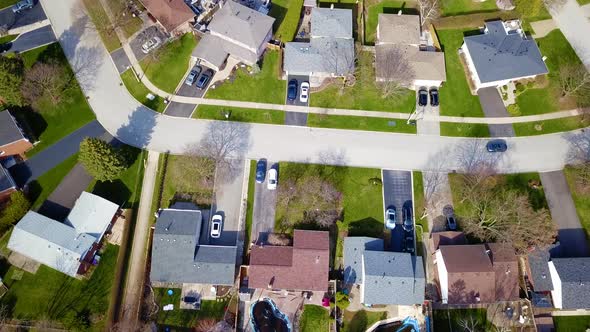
(399, 12)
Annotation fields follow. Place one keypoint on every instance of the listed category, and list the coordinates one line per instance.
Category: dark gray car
(260, 170)
(497, 145)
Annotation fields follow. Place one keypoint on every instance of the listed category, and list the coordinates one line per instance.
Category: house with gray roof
(330, 50)
(501, 54)
(571, 282)
(179, 258)
(236, 31)
(68, 247)
(7, 184)
(354, 248)
(13, 140)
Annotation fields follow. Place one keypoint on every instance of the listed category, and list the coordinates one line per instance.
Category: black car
(408, 224)
(190, 299)
(260, 171)
(292, 90)
(497, 145)
(433, 97)
(204, 79)
(422, 97)
(5, 47)
(408, 245)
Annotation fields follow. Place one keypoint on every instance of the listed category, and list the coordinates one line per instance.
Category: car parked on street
(408, 224)
(433, 97)
(292, 90)
(151, 44)
(192, 76)
(422, 97)
(22, 5)
(260, 170)
(304, 92)
(497, 145)
(216, 224)
(272, 179)
(390, 216)
(204, 79)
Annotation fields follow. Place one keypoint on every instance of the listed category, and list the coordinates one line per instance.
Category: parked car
(292, 90)
(192, 76)
(408, 224)
(204, 79)
(304, 92)
(190, 299)
(272, 179)
(451, 222)
(151, 44)
(408, 245)
(497, 145)
(422, 97)
(216, 222)
(434, 97)
(260, 170)
(22, 5)
(5, 47)
(390, 215)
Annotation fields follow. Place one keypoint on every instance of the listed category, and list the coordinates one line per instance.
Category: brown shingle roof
(311, 240)
(170, 13)
(505, 265)
(446, 239)
(271, 255)
(466, 258)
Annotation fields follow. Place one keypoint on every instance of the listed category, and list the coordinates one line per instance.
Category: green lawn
(171, 64)
(419, 203)
(44, 185)
(580, 197)
(360, 321)
(139, 92)
(365, 94)
(384, 7)
(360, 123)
(571, 323)
(531, 10)
(239, 114)
(185, 318)
(550, 126)
(199, 189)
(130, 24)
(458, 7)
(7, 38)
(464, 129)
(249, 206)
(264, 87)
(286, 14)
(583, 2)
(101, 20)
(7, 3)
(455, 97)
(314, 318)
(449, 320)
(49, 122)
(53, 295)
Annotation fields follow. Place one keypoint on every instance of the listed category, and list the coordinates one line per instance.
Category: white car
(272, 179)
(216, 223)
(150, 44)
(304, 94)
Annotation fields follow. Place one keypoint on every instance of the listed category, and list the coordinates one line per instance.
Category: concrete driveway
(25, 17)
(296, 118)
(33, 39)
(265, 201)
(397, 191)
(493, 107)
(572, 237)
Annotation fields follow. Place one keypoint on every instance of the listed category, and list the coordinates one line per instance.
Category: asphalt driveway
(33, 39)
(186, 110)
(296, 118)
(181, 110)
(265, 201)
(142, 37)
(62, 199)
(397, 191)
(121, 60)
(493, 107)
(25, 17)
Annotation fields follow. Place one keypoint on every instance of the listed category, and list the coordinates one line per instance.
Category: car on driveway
(272, 179)
(390, 215)
(260, 170)
(304, 92)
(151, 44)
(204, 79)
(422, 97)
(451, 222)
(292, 90)
(192, 76)
(408, 224)
(433, 97)
(497, 145)
(216, 224)
(408, 245)
(22, 5)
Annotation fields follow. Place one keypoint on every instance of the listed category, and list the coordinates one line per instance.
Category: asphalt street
(121, 60)
(25, 17)
(33, 39)
(397, 192)
(296, 118)
(493, 107)
(265, 201)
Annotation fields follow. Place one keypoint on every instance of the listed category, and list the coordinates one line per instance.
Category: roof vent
(544, 276)
(317, 259)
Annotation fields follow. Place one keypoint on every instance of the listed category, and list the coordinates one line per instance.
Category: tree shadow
(278, 12)
(115, 191)
(138, 130)
(32, 123)
(366, 227)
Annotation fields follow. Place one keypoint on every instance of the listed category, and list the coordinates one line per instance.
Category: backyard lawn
(130, 24)
(50, 122)
(188, 178)
(550, 126)
(459, 7)
(239, 114)
(360, 123)
(52, 295)
(571, 323)
(449, 320)
(44, 185)
(140, 92)
(101, 20)
(360, 321)
(185, 318)
(286, 14)
(384, 7)
(581, 198)
(171, 64)
(314, 318)
(455, 96)
(264, 87)
(464, 129)
(365, 94)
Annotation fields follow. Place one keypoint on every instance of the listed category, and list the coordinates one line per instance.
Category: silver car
(151, 44)
(390, 216)
(22, 5)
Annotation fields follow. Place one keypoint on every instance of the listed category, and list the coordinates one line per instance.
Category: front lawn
(7, 38)
(314, 318)
(199, 189)
(286, 14)
(464, 129)
(249, 207)
(459, 7)
(44, 185)
(583, 2)
(550, 126)
(580, 197)
(7, 3)
(450, 320)
(365, 94)
(455, 96)
(360, 123)
(102, 22)
(263, 87)
(185, 318)
(571, 323)
(239, 114)
(52, 295)
(140, 92)
(384, 7)
(531, 10)
(360, 321)
(50, 122)
(171, 64)
(130, 24)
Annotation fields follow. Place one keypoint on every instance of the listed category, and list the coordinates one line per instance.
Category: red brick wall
(16, 148)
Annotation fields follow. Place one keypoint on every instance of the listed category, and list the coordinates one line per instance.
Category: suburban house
(571, 282)
(302, 267)
(7, 184)
(236, 31)
(383, 277)
(68, 246)
(12, 138)
(472, 274)
(538, 278)
(330, 50)
(501, 54)
(399, 38)
(180, 256)
(172, 15)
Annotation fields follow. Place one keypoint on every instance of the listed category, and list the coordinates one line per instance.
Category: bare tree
(574, 81)
(339, 60)
(469, 324)
(429, 11)
(554, 4)
(205, 325)
(45, 79)
(226, 143)
(394, 70)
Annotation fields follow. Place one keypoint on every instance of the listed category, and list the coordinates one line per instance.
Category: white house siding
(362, 285)
(556, 292)
(443, 276)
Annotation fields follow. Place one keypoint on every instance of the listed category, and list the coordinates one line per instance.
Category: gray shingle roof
(331, 22)
(399, 29)
(91, 214)
(393, 278)
(497, 55)
(9, 130)
(6, 180)
(320, 55)
(354, 247)
(538, 262)
(209, 50)
(575, 281)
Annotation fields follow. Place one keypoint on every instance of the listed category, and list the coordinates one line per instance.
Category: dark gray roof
(9, 129)
(209, 50)
(539, 267)
(6, 181)
(354, 247)
(574, 274)
(331, 22)
(393, 278)
(498, 55)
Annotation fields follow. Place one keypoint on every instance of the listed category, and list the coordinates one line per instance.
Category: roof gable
(10, 132)
(91, 214)
(466, 258)
(399, 29)
(574, 274)
(170, 13)
(331, 22)
(241, 24)
(354, 247)
(6, 180)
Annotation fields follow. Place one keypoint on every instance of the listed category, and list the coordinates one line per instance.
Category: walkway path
(574, 24)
